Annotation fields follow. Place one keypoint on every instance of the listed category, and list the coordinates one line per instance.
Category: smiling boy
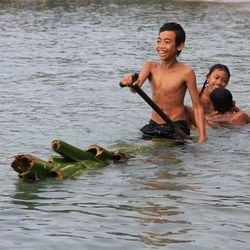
(169, 79)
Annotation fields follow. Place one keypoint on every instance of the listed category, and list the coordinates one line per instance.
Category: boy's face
(218, 78)
(165, 45)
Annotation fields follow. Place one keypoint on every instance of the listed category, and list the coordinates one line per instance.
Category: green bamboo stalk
(94, 164)
(31, 168)
(65, 167)
(69, 170)
(102, 154)
(59, 161)
(71, 162)
(71, 152)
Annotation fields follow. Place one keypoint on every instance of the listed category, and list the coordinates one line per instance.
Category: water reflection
(162, 239)
(34, 195)
(165, 220)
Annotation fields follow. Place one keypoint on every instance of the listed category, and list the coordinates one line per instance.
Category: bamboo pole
(69, 170)
(94, 152)
(71, 152)
(60, 161)
(65, 168)
(31, 168)
(102, 154)
(71, 162)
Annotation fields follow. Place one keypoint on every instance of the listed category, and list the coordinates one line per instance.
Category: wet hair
(212, 69)
(222, 100)
(180, 35)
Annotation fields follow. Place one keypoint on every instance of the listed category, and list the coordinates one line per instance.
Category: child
(169, 79)
(224, 113)
(218, 76)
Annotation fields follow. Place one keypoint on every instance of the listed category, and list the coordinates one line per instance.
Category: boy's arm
(197, 106)
(144, 74)
(239, 118)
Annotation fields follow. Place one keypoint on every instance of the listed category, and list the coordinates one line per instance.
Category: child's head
(222, 100)
(180, 35)
(218, 76)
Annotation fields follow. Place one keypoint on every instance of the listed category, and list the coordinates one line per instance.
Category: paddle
(155, 107)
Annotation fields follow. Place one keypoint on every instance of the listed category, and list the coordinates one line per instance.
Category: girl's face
(218, 78)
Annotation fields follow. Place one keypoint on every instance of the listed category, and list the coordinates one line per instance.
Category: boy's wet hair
(180, 35)
(211, 70)
(222, 100)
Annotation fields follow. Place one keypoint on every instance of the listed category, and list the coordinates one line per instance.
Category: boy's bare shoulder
(188, 74)
(186, 68)
(151, 63)
(240, 118)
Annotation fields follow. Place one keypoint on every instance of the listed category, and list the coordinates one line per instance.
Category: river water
(60, 66)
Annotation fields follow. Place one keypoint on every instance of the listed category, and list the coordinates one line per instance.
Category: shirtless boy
(169, 79)
(224, 111)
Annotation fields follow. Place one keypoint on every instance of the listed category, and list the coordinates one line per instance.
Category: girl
(218, 76)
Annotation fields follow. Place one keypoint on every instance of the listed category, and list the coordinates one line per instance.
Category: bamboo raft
(69, 162)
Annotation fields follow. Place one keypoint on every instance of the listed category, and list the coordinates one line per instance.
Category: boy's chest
(171, 81)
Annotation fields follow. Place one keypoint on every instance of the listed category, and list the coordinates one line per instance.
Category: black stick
(155, 107)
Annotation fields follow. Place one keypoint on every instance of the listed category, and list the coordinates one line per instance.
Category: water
(60, 67)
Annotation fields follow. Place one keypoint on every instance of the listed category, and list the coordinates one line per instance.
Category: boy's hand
(127, 80)
(202, 139)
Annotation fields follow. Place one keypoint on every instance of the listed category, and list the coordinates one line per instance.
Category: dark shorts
(154, 130)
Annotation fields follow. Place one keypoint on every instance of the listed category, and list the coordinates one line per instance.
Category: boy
(224, 112)
(169, 80)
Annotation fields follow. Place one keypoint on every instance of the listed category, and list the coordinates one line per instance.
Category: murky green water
(60, 66)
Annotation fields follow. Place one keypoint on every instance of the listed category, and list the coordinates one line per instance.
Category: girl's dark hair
(212, 69)
(180, 35)
(222, 100)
